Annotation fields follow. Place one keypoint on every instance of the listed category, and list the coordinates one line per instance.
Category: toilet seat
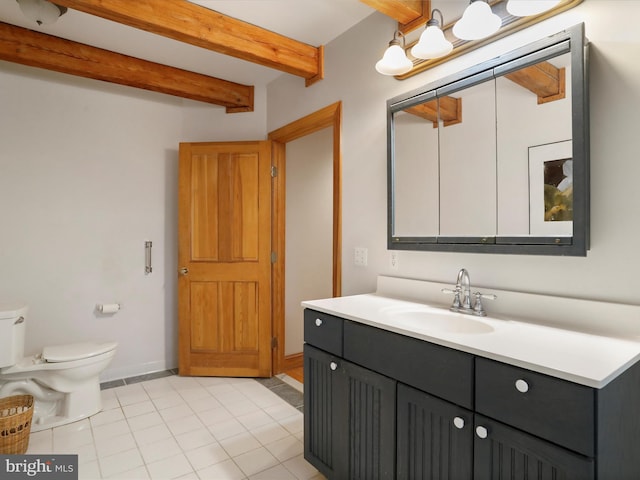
(75, 351)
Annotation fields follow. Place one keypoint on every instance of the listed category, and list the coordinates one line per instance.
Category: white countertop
(582, 357)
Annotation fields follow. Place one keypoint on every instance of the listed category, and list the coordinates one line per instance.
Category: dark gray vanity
(382, 405)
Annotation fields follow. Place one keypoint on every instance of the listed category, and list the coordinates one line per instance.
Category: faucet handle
(456, 299)
(477, 308)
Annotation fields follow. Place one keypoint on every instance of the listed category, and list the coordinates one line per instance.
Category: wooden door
(224, 255)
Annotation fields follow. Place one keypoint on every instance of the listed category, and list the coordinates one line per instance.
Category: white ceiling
(315, 22)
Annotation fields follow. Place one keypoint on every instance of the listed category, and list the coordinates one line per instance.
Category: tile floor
(186, 428)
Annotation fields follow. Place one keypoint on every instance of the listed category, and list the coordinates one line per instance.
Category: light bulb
(478, 21)
(432, 44)
(394, 61)
(41, 11)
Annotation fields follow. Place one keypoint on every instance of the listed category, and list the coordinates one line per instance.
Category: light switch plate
(360, 257)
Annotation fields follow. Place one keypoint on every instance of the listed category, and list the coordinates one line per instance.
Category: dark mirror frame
(570, 40)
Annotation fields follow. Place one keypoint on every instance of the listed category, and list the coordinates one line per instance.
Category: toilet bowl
(63, 379)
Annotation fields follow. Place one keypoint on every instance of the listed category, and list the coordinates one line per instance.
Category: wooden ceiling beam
(410, 14)
(190, 23)
(544, 79)
(27, 47)
(450, 111)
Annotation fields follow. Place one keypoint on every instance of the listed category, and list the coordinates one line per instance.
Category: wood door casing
(224, 217)
(327, 117)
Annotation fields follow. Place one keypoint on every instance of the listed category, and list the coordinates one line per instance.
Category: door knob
(184, 271)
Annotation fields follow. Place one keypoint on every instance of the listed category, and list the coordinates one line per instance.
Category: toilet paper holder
(108, 308)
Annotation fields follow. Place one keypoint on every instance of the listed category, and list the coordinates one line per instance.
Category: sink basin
(428, 319)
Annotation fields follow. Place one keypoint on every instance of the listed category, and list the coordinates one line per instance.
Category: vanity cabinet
(349, 418)
(379, 404)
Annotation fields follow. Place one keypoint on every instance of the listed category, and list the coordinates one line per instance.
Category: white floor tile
(274, 473)
(255, 419)
(185, 428)
(255, 461)
(194, 439)
(269, 433)
(109, 446)
(205, 456)
(168, 468)
(302, 469)
(203, 404)
(286, 448)
(173, 413)
(227, 428)
(130, 394)
(185, 424)
(152, 434)
(170, 399)
(89, 471)
(106, 417)
(214, 415)
(40, 442)
(137, 409)
(109, 430)
(139, 473)
(69, 439)
(152, 452)
(294, 423)
(147, 420)
(226, 470)
(240, 444)
(120, 462)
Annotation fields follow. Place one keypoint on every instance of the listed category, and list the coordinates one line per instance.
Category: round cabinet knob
(333, 365)
(482, 432)
(522, 386)
(458, 422)
(318, 322)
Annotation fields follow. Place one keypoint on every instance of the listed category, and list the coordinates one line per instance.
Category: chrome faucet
(463, 289)
(463, 285)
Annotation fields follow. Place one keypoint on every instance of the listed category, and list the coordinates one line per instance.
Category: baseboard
(111, 374)
(295, 360)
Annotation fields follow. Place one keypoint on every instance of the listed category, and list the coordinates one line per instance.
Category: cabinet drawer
(323, 331)
(440, 371)
(551, 408)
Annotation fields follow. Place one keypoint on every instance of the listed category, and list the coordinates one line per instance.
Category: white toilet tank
(13, 322)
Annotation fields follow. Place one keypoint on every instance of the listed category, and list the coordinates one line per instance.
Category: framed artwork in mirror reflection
(551, 189)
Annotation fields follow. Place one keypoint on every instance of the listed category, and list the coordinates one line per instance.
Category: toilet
(63, 379)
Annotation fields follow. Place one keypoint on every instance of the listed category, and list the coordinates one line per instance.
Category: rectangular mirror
(495, 159)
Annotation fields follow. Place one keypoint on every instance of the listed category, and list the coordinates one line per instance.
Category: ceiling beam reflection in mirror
(482, 22)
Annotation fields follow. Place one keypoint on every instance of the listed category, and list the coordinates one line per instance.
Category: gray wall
(606, 273)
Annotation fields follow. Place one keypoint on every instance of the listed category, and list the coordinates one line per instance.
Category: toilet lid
(75, 351)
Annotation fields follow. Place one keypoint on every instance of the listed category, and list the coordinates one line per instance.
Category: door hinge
(274, 257)
(274, 171)
(274, 342)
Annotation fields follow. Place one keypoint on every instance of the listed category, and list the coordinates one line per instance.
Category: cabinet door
(323, 417)
(371, 423)
(504, 452)
(435, 438)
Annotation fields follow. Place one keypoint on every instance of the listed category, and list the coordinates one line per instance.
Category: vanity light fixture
(394, 61)
(432, 43)
(41, 11)
(478, 21)
(525, 8)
